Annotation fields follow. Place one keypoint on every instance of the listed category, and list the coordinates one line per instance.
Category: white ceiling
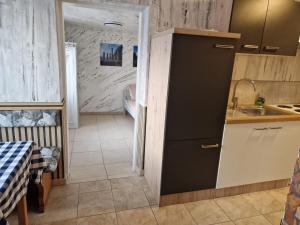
(98, 16)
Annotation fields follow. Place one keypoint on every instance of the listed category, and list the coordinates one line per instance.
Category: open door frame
(142, 71)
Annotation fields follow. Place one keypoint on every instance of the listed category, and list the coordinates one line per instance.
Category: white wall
(29, 67)
(101, 87)
(28, 40)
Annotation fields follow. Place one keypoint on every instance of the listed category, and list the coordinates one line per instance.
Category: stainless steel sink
(251, 111)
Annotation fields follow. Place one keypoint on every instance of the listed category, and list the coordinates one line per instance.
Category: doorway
(104, 146)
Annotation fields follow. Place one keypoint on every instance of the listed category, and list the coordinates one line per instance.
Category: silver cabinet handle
(275, 128)
(271, 48)
(224, 46)
(261, 128)
(250, 46)
(210, 146)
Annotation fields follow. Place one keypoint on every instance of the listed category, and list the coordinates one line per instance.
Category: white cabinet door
(240, 154)
(253, 153)
(281, 141)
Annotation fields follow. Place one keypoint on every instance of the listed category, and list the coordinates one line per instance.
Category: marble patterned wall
(29, 66)
(267, 68)
(100, 88)
(277, 78)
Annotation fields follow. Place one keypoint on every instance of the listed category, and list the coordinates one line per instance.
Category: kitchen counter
(238, 117)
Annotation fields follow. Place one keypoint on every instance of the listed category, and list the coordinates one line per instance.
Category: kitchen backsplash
(277, 78)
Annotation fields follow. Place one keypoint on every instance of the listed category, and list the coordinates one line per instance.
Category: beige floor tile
(129, 199)
(57, 209)
(274, 218)
(236, 207)
(150, 196)
(206, 212)
(226, 223)
(173, 215)
(64, 190)
(86, 136)
(129, 182)
(85, 120)
(111, 133)
(114, 144)
(72, 134)
(257, 220)
(279, 194)
(123, 119)
(116, 156)
(94, 186)
(106, 120)
(95, 203)
(263, 202)
(64, 222)
(119, 170)
(86, 158)
(284, 190)
(87, 173)
(141, 216)
(105, 219)
(87, 146)
(87, 132)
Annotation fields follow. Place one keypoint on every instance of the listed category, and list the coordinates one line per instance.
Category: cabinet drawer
(190, 165)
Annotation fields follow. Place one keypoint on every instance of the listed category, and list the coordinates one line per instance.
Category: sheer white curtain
(71, 79)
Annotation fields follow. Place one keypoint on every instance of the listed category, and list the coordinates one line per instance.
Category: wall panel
(28, 51)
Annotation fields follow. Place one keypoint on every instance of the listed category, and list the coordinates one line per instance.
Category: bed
(129, 101)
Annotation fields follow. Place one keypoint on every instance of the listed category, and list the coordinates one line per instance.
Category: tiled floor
(104, 191)
(101, 148)
(127, 201)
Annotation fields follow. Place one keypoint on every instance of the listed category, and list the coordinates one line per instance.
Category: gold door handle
(271, 48)
(224, 46)
(210, 146)
(252, 47)
(275, 128)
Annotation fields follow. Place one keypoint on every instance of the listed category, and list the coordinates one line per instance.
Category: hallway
(101, 148)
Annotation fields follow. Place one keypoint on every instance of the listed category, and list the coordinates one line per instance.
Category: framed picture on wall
(111, 54)
(135, 55)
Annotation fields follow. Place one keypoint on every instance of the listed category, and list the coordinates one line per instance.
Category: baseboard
(185, 197)
(103, 113)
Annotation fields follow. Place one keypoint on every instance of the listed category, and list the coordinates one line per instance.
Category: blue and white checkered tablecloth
(15, 162)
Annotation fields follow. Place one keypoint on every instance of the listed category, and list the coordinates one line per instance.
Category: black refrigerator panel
(199, 83)
(190, 165)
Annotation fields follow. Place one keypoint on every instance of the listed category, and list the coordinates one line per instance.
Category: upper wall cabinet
(267, 26)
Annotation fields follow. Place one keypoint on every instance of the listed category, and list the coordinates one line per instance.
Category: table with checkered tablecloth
(18, 162)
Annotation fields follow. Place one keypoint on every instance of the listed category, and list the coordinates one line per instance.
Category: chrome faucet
(235, 100)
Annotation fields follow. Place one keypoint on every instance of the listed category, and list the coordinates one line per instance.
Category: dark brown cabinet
(189, 81)
(248, 18)
(282, 29)
(190, 165)
(198, 87)
(267, 26)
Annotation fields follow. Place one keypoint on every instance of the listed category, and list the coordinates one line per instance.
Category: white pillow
(5, 121)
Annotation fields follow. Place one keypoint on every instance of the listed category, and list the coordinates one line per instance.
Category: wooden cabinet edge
(198, 32)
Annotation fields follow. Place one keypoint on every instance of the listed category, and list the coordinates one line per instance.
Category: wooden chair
(38, 194)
